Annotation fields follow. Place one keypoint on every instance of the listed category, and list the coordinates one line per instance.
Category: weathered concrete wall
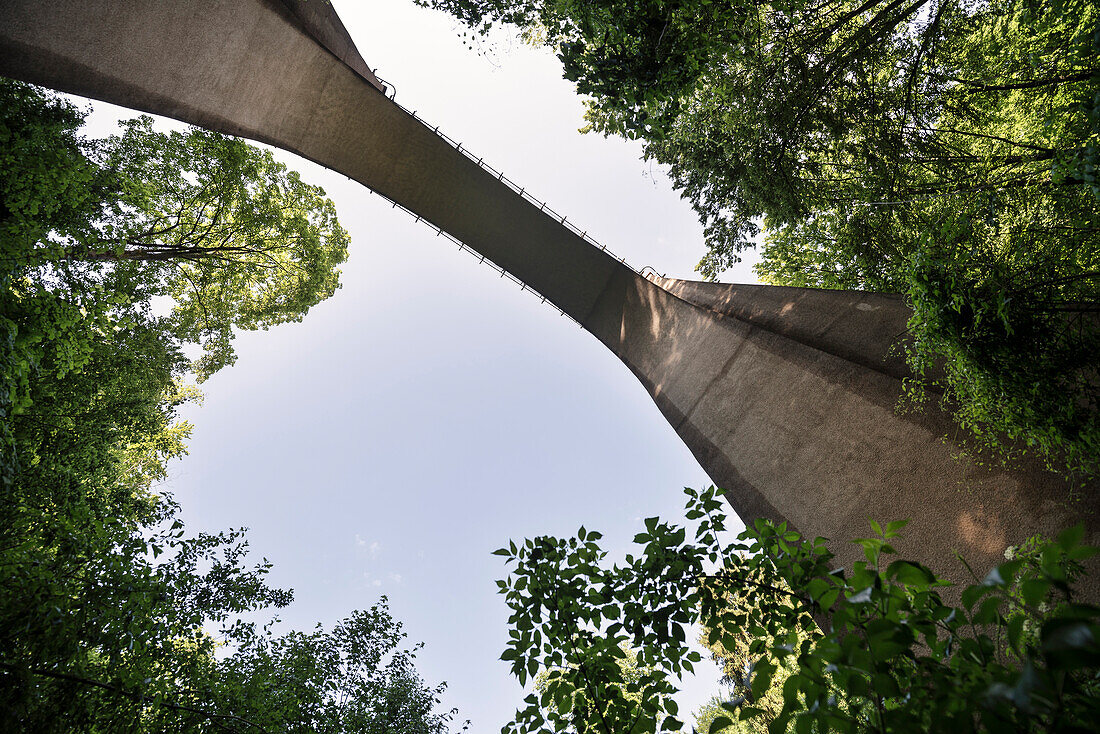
(786, 396)
(866, 328)
(318, 19)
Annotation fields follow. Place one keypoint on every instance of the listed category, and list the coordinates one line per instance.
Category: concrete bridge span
(785, 396)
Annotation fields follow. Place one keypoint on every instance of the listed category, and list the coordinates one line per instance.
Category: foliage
(578, 709)
(825, 115)
(91, 232)
(235, 239)
(106, 605)
(737, 664)
(1012, 346)
(215, 224)
(560, 597)
(711, 710)
(1018, 653)
(872, 139)
(355, 678)
(111, 618)
(47, 185)
(102, 637)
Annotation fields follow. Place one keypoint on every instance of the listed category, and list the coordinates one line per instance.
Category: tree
(92, 231)
(636, 60)
(793, 110)
(355, 678)
(215, 224)
(235, 239)
(111, 617)
(48, 187)
(1019, 653)
(104, 601)
(879, 142)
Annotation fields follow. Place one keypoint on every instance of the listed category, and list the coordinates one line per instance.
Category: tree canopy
(112, 617)
(235, 239)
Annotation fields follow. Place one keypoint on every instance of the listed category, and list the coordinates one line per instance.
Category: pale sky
(430, 411)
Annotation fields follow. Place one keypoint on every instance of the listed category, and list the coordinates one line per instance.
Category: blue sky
(430, 410)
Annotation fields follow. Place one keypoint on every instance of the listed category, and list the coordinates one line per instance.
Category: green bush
(871, 648)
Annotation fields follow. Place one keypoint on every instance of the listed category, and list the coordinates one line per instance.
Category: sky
(430, 411)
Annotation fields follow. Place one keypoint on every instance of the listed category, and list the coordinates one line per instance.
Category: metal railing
(499, 175)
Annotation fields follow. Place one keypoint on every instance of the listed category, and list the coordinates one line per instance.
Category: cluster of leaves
(872, 648)
(575, 620)
(111, 617)
(636, 59)
(216, 225)
(872, 137)
(576, 707)
(738, 663)
(232, 236)
(1012, 347)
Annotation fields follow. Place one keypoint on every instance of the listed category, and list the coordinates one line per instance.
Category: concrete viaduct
(786, 396)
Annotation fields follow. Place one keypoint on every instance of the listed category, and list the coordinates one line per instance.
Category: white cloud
(373, 547)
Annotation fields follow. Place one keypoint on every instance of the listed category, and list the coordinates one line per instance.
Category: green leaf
(989, 611)
(910, 574)
(719, 723)
(1014, 630)
(1071, 537)
(828, 599)
(971, 594)
(761, 679)
(750, 712)
(1034, 591)
(894, 526)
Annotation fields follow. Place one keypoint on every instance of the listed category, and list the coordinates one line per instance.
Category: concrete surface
(786, 396)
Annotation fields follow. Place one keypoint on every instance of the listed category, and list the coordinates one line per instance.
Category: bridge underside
(785, 396)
